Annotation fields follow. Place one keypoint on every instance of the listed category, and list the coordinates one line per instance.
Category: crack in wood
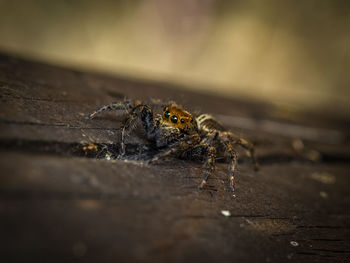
(18, 194)
(326, 239)
(314, 254)
(90, 150)
(64, 125)
(134, 151)
(38, 99)
(325, 227)
(331, 250)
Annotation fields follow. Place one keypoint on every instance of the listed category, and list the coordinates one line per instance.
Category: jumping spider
(179, 133)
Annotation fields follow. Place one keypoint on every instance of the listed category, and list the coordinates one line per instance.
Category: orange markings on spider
(90, 147)
(176, 116)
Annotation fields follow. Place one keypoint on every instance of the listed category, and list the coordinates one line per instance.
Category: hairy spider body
(179, 133)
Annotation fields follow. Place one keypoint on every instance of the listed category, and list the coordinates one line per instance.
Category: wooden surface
(62, 202)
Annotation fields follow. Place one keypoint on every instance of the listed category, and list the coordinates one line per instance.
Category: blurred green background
(294, 54)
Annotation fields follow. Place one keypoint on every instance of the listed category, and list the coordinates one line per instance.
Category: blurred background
(293, 54)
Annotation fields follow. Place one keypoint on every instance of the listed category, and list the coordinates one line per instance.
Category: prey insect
(177, 132)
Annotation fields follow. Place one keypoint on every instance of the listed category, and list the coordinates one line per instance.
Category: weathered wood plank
(55, 206)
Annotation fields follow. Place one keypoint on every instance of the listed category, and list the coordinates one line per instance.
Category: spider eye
(174, 119)
(182, 121)
(167, 114)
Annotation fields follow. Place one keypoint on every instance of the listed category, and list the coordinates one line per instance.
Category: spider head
(174, 115)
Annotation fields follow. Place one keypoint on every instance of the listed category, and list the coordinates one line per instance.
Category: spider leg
(133, 114)
(210, 151)
(250, 147)
(129, 123)
(128, 126)
(246, 145)
(180, 146)
(209, 165)
(233, 163)
(126, 105)
(158, 102)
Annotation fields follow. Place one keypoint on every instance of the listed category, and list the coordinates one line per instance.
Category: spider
(179, 133)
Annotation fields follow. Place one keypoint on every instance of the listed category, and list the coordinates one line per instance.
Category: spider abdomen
(206, 122)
